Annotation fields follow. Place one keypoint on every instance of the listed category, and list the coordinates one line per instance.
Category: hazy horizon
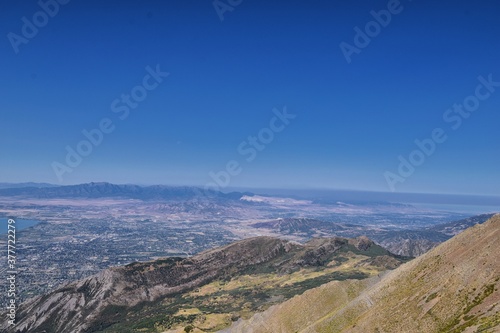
(327, 193)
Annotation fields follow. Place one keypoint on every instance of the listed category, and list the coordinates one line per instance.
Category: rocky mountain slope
(452, 288)
(207, 290)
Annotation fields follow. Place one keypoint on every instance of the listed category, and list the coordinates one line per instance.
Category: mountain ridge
(27, 184)
(107, 190)
(101, 301)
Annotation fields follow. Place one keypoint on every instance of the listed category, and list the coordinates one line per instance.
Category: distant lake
(20, 224)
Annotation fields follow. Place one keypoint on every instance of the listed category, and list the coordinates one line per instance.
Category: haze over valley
(86, 228)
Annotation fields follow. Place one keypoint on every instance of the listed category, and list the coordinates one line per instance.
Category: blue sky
(353, 120)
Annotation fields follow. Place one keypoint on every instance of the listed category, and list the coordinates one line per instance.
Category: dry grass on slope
(293, 315)
(453, 288)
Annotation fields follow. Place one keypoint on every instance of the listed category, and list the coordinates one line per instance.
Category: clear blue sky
(353, 120)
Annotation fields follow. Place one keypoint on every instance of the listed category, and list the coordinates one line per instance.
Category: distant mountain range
(317, 196)
(23, 185)
(107, 190)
